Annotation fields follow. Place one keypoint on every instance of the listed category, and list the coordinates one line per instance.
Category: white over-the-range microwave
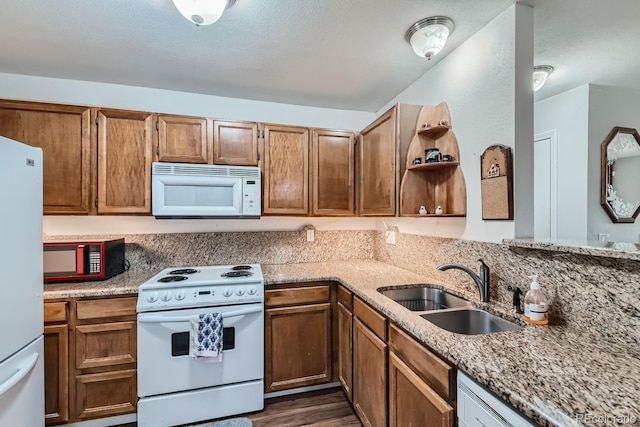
(180, 190)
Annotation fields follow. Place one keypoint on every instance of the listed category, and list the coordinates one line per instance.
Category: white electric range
(175, 388)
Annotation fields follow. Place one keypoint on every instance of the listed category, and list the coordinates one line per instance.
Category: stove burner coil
(184, 271)
(237, 274)
(172, 279)
(241, 267)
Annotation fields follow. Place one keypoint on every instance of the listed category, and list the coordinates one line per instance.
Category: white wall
(568, 114)
(608, 107)
(486, 83)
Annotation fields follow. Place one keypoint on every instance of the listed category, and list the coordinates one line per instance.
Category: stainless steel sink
(470, 322)
(425, 298)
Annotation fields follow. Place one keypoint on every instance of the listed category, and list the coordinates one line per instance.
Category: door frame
(552, 136)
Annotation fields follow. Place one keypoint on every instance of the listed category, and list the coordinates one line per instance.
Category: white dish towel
(206, 337)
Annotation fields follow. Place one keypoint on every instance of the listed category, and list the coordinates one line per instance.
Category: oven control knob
(180, 295)
(227, 292)
(239, 292)
(152, 297)
(166, 296)
(252, 291)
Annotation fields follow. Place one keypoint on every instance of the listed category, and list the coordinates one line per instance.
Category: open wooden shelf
(433, 184)
(435, 215)
(433, 131)
(433, 166)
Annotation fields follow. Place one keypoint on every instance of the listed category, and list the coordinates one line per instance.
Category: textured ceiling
(347, 54)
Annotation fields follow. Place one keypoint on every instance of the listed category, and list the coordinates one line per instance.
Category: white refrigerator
(21, 286)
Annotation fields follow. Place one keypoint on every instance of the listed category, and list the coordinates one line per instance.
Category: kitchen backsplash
(594, 293)
(158, 251)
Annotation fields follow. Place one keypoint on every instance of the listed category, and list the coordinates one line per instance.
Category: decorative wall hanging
(496, 174)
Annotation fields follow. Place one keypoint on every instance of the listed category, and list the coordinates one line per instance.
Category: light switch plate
(311, 235)
(604, 237)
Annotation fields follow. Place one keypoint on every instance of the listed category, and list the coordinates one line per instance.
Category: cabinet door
(235, 143)
(106, 394)
(345, 356)
(286, 170)
(333, 166)
(369, 376)
(63, 133)
(183, 139)
(56, 374)
(412, 402)
(377, 182)
(125, 141)
(297, 346)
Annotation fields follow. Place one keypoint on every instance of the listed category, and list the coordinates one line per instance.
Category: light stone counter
(554, 375)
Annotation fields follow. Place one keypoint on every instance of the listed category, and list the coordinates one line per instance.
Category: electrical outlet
(604, 237)
(391, 237)
(311, 235)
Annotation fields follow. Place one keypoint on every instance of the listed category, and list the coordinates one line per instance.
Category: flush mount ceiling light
(428, 36)
(202, 12)
(540, 74)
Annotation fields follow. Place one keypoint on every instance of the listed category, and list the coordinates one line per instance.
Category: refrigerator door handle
(23, 369)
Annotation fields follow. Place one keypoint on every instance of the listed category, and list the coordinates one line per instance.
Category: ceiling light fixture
(202, 12)
(428, 36)
(540, 74)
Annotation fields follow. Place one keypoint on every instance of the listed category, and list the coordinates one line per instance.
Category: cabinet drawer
(106, 394)
(297, 296)
(103, 308)
(55, 312)
(374, 320)
(345, 297)
(433, 370)
(105, 344)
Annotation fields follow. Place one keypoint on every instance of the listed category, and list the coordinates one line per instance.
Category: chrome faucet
(481, 279)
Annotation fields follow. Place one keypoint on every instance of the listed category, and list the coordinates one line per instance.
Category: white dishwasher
(478, 407)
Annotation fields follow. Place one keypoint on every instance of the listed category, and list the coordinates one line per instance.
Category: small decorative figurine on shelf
(422, 211)
(447, 158)
(417, 161)
(439, 210)
(432, 155)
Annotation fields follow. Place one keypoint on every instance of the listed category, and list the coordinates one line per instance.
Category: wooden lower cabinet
(369, 376)
(412, 402)
(298, 335)
(345, 355)
(56, 373)
(90, 358)
(422, 386)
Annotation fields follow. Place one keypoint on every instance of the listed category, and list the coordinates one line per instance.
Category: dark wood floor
(326, 408)
(318, 409)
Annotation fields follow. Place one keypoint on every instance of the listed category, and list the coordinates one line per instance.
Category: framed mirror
(620, 174)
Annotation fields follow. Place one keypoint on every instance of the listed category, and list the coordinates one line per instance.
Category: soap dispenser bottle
(536, 306)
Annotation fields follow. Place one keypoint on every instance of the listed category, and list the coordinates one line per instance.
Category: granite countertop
(616, 250)
(554, 374)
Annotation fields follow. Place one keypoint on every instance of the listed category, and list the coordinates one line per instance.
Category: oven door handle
(176, 319)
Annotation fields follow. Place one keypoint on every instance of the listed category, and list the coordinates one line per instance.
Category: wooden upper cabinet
(184, 139)
(333, 169)
(377, 167)
(286, 170)
(125, 141)
(235, 143)
(63, 133)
